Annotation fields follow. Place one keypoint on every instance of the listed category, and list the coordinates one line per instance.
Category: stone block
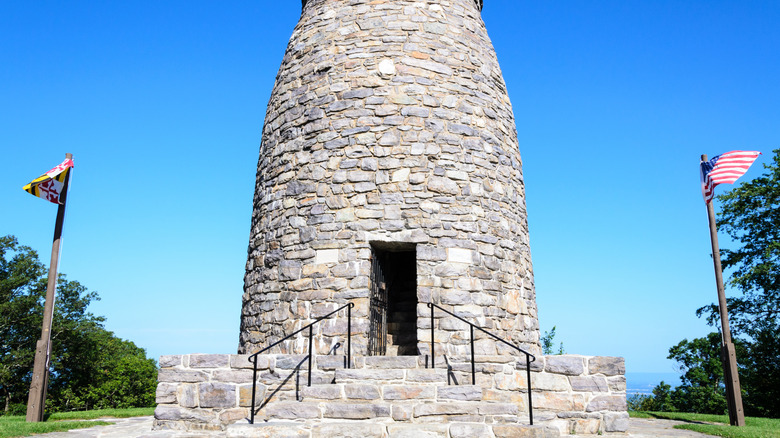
(361, 392)
(369, 374)
(589, 383)
(241, 361)
(470, 430)
(270, 429)
(558, 401)
(290, 410)
(165, 393)
(245, 394)
(524, 431)
(407, 392)
(609, 366)
(168, 361)
(179, 375)
(391, 362)
(568, 365)
(356, 411)
(549, 382)
(187, 395)
(617, 383)
(608, 403)
(176, 413)
(232, 415)
(324, 392)
(461, 392)
(616, 422)
(349, 430)
(426, 409)
(417, 431)
(235, 376)
(427, 375)
(326, 256)
(217, 395)
(209, 360)
(291, 361)
(497, 409)
(402, 411)
(584, 426)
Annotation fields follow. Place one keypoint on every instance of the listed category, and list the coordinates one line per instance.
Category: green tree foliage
(548, 343)
(702, 389)
(90, 367)
(750, 215)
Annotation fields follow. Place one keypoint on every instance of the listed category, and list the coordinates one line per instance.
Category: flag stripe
(49, 185)
(724, 169)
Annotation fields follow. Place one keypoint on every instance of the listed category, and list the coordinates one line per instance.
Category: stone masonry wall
(575, 394)
(389, 124)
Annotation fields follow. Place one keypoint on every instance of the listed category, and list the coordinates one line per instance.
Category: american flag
(724, 168)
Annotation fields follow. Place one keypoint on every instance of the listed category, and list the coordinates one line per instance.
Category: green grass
(16, 426)
(718, 425)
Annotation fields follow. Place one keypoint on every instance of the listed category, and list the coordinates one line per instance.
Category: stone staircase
(391, 396)
(385, 396)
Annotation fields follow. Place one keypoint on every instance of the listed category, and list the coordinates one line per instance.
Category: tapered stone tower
(389, 177)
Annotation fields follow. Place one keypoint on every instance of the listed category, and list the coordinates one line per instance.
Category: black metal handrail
(253, 357)
(472, 326)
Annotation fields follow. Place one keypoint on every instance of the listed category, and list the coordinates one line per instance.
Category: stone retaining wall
(575, 394)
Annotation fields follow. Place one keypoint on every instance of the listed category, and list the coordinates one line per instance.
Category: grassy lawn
(15, 426)
(718, 425)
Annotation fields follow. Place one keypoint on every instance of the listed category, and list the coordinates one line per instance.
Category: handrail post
(473, 373)
(530, 400)
(349, 335)
(311, 353)
(433, 351)
(254, 386)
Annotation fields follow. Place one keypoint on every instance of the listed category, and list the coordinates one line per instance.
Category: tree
(548, 343)
(750, 215)
(90, 367)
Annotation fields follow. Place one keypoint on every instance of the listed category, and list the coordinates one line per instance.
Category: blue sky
(162, 105)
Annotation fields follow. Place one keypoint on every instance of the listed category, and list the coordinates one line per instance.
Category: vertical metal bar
(528, 375)
(254, 386)
(433, 353)
(473, 372)
(311, 353)
(349, 335)
(297, 383)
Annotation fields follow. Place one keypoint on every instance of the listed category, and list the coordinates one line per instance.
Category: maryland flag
(49, 186)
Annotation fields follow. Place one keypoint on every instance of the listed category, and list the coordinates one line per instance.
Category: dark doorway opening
(393, 303)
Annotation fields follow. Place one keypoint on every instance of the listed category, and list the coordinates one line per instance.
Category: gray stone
(589, 383)
(361, 392)
(461, 392)
(609, 366)
(616, 421)
(470, 430)
(291, 410)
(417, 430)
(178, 375)
(356, 411)
(607, 403)
(217, 395)
(208, 360)
(569, 365)
(349, 430)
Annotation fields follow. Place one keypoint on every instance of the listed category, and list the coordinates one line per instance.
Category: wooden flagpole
(37, 399)
(728, 355)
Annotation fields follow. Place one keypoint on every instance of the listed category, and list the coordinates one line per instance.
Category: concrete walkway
(141, 427)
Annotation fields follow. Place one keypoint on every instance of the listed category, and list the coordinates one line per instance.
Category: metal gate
(377, 334)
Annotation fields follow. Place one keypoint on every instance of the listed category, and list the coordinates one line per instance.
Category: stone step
(370, 429)
(430, 391)
(389, 375)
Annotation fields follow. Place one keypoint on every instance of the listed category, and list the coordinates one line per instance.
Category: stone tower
(390, 177)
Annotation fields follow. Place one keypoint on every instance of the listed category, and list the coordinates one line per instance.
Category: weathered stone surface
(609, 366)
(349, 430)
(391, 362)
(607, 403)
(217, 395)
(270, 429)
(407, 392)
(326, 392)
(616, 421)
(401, 128)
(361, 392)
(470, 430)
(163, 412)
(208, 360)
(417, 431)
(424, 409)
(461, 392)
(166, 393)
(566, 364)
(235, 376)
(522, 431)
(179, 375)
(170, 361)
(187, 395)
(589, 383)
(290, 410)
(356, 411)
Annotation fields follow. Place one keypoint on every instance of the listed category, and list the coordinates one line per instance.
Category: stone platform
(392, 396)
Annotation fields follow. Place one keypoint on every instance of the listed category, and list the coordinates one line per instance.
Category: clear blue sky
(162, 105)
